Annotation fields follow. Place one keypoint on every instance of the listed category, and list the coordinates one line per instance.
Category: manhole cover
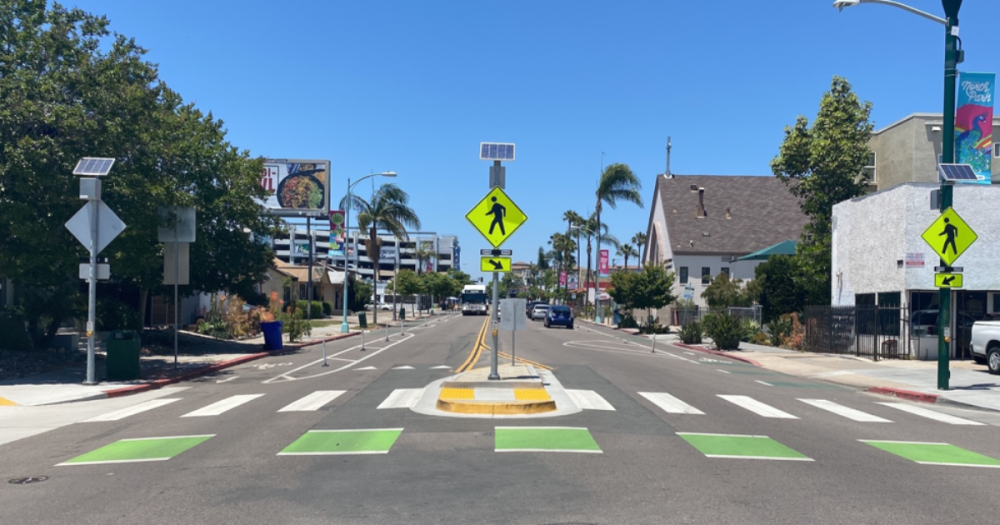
(29, 479)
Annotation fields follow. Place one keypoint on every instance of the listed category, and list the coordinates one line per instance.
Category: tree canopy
(647, 289)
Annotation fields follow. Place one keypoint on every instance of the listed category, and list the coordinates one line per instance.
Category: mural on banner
(562, 278)
(974, 123)
(298, 188)
(337, 233)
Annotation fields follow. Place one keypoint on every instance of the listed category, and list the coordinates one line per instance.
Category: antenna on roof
(667, 173)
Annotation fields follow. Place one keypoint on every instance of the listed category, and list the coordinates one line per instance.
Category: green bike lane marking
(739, 446)
(343, 442)
(545, 439)
(934, 453)
(141, 449)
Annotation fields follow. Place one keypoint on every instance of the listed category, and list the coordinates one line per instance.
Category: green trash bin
(402, 313)
(122, 363)
(363, 319)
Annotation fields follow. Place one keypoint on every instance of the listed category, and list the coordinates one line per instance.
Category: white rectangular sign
(183, 258)
(914, 260)
(512, 314)
(103, 271)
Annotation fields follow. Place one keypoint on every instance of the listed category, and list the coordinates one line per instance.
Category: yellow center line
(476, 349)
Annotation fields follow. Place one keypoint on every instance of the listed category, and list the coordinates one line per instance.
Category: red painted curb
(720, 353)
(208, 369)
(905, 394)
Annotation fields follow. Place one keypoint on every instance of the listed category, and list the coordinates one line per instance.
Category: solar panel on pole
(93, 166)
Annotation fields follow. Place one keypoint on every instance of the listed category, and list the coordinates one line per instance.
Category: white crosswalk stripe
(402, 398)
(757, 407)
(132, 410)
(314, 401)
(847, 412)
(223, 406)
(404, 367)
(930, 414)
(669, 403)
(589, 400)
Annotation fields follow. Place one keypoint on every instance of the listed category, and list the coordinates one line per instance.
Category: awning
(782, 248)
(336, 277)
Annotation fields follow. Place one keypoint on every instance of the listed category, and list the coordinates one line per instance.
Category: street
(668, 437)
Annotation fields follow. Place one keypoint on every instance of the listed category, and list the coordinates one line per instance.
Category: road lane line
(220, 381)
(723, 371)
(223, 406)
(669, 403)
(589, 400)
(313, 401)
(757, 407)
(402, 398)
(930, 414)
(765, 383)
(132, 410)
(345, 367)
(847, 412)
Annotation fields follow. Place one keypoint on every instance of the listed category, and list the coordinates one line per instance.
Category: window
(726, 271)
(869, 170)
(706, 275)
(996, 149)
(684, 274)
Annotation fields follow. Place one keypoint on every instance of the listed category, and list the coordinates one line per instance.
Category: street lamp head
(841, 4)
(388, 174)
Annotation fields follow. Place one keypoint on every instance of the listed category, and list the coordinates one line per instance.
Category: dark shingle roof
(762, 212)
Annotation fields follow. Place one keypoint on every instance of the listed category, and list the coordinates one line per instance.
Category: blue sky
(415, 86)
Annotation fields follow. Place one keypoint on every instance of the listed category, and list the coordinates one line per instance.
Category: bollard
(362, 339)
(324, 353)
(387, 331)
(654, 344)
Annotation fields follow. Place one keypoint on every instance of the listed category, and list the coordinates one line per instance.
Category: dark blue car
(559, 316)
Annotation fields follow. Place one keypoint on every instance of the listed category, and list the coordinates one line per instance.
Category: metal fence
(752, 313)
(877, 332)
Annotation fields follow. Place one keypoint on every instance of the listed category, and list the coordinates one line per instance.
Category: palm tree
(626, 251)
(388, 211)
(639, 240)
(563, 246)
(574, 219)
(589, 229)
(617, 182)
(423, 254)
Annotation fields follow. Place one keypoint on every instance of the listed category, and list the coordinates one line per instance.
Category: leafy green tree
(459, 280)
(639, 240)
(779, 282)
(823, 165)
(359, 294)
(388, 211)
(617, 183)
(68, 89)
(438, 285)
(626, 251)
(724, 292)
(648, 289)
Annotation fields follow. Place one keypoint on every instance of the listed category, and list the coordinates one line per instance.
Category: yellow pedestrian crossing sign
(950, 236)
(496, 217)
(494, 264)
(948, 280)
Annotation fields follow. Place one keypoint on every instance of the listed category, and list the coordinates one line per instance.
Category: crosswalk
(586, 400)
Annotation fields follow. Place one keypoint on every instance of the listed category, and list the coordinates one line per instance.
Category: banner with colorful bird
(974, 123)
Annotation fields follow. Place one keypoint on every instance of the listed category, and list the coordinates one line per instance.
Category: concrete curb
(746, 360)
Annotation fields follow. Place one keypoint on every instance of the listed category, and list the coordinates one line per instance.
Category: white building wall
(873, 234)
(694, 263)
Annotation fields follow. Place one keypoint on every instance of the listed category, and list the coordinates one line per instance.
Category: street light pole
(952, 57)
(344, 326)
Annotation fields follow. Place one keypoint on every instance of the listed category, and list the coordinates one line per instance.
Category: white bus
(474, 299)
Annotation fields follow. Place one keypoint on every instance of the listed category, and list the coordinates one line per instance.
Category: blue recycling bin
(272, 335)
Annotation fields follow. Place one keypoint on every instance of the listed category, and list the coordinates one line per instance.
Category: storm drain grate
(27, 480)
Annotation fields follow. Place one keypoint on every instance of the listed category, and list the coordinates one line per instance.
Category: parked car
(986, 344)
(540, 311)
(559, 316)
(530, 307)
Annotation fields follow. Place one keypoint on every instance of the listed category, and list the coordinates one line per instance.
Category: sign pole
(92, 293)
(309, 283)
(177, 280)
(512, 347)
(494, 375)
(947, 156)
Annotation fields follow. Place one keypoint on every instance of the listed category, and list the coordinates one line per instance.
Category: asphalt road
(655, 465)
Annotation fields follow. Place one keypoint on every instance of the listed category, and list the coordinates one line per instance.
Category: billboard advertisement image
(298, 188)
(974, 123)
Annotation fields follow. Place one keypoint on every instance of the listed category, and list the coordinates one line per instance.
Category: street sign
(948, 280)
(504, 253)
(496, 217)
(494, 264)
(103, 271)
(183, 267)
(182, 231)
(108, 225)
(512, 318)
(949, 236)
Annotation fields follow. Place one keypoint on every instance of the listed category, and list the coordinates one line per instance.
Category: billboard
(974, 123)
(297, 188)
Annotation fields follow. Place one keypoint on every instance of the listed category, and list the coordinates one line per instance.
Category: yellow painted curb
(496, 408)
(4, 402)
(457, 393)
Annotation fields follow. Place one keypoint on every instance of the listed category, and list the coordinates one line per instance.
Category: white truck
(986, 344)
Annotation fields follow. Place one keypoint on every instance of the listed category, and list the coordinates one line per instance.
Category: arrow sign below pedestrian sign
(496, 217)
(108, 225)
(494, 264)
(949, 236)
(948, 280)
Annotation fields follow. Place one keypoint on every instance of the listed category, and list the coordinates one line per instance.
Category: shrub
(796, 334)
(725, 330)
(327, 308)
(750, 330)
(691, 333)
(303, 306)
(761, 339)
(780, 328)
(295, 325)
(628, 322)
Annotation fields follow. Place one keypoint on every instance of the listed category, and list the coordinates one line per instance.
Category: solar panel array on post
(93, 166)
(956, 172)
(495, 151)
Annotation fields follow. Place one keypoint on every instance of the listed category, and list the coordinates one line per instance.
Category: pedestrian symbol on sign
(498, 211)
(951, 232)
